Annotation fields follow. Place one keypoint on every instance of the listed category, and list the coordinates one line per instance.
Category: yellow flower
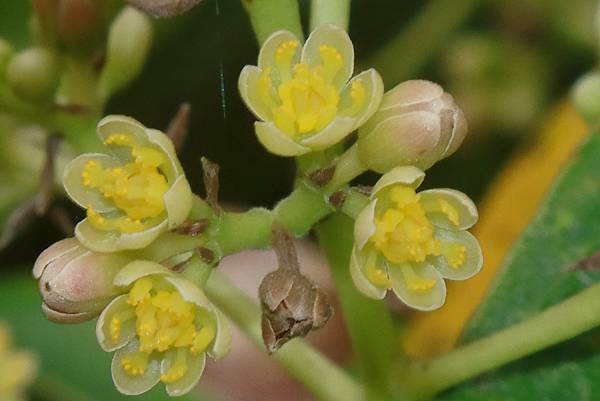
(17, 368)
(131, 196)
(161, 331)
(302, 95)
(409, 242)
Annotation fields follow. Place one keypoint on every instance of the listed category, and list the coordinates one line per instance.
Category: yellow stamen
(178, 369)
(414, 281)
(454, 253)
(116, 322)
(135, 364)
(378, 277)
(283, 58)
(444, 207)
(403, 233)
(202, 339)
(358, 95)
(136, 188)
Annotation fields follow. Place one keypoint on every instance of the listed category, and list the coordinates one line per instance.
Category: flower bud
(129, 42)
(292, 306)
(586, 96)
(34, 74)
(416, 124)
(76, 283)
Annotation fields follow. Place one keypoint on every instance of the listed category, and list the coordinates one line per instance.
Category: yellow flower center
(404, 233)
(163, 321)
(136, 188)
(305, 100)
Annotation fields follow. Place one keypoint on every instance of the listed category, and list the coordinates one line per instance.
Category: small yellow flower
(17, 368)
(302, 95)
(161, 331)
(131, 196)
(409, 242)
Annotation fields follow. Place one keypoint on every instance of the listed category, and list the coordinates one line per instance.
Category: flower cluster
(18, 368)
(160, 324)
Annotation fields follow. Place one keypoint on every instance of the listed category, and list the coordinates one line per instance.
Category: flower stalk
(558, 323)
(268, 16)
(330, 11)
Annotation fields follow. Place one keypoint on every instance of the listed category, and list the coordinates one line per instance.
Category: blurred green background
(507, 62)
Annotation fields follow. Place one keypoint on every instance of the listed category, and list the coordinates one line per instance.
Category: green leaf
(72, 361)
(536, 275)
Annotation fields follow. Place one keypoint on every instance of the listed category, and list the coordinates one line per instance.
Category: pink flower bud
(76, 283)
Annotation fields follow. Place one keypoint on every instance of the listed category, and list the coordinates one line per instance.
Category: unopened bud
(416, 124)
(586, 96)
(34, 74)
(164, 8)
(129, 42)
(292, 305)
(76, 283)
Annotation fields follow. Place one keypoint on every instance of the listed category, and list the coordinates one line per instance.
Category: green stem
(300, 211)
(354, 203)
(268, 16)
(560, 322)
(329, 11)
(323, 378)
(368, 321)
(423, 35)
(347, 167)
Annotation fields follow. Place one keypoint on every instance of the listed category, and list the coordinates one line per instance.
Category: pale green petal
(112, 241)
(248, 88)
(277, 142)
(53, 253)
(364, 225)
(222, 342)
(195, 363)
(473, 256)
(411, 92)
(119, 304)
(178, 202)
(118, 124)
(467, 211)
(138, 269)
(266, 57)
(405, 175)
(339, 128)
(373, 85)
(73, 183)
(189, 291)
(359, 278)
(133, 385)
(401, 140)
(164, 143)
(336, 37)
(424, 300)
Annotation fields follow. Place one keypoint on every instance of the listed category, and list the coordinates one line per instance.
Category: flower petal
(189, 291)
(339, 128)
(406, 139)
(133, 385)
(117, 124)
(336, 37)
(405, 175)
(195, 368)
(53, 253)
(112, 241)
(103, 335)
(411, 92)
(459, 132)
(73, 182)
(138, 269)
(266, 56)
(364, 225)
(275, 141)
(473, 258)
(464, 206)
(424, 300)
(373, 85)
(247, 86)
(360, 279)
(178, 202)
(222, 342)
